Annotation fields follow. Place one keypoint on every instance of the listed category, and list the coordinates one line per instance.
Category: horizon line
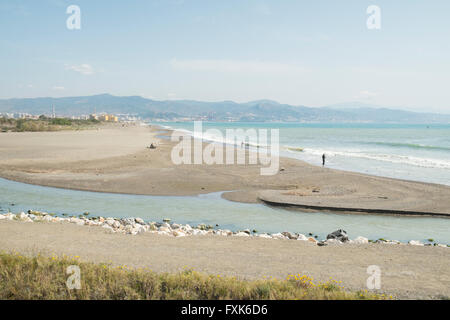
(366, 105)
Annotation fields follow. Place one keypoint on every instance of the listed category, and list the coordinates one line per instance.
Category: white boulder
(115, 224)
(361, 240)
(302, 237)
(278, 236)
(139, 220)
(333, 241)
(108, 228)
(312, 240)
(223, 233)
(178, 233)
(164, 233)
(165, 229)
(10, 216)
(415, 243)
(198, 232)
(21, 216)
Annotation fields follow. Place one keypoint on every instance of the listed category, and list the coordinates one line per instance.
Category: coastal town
(103, 116)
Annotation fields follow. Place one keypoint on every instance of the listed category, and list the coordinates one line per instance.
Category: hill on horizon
(259, 110)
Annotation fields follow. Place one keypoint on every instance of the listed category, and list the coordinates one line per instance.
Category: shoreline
(309, 161)
(117, 160)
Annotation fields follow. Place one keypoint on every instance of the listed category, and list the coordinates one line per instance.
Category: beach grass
(44, 277)
(44, 124)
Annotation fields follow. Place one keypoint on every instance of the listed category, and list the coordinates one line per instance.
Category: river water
(212, 209)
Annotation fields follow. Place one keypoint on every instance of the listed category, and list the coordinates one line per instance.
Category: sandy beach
(408, 272)
(116, 159)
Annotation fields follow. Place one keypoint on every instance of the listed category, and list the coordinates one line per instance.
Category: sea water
(413, 152)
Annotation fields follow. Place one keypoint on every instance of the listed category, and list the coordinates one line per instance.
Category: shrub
(61, 122)
(41, 277)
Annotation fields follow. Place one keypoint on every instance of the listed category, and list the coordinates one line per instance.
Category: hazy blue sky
(313, 52)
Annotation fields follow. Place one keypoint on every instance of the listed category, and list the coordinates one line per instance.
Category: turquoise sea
(412, 152)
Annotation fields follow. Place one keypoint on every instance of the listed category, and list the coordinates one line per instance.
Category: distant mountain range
(261, 110)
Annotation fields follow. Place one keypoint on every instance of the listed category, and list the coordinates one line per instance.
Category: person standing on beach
(323, 160)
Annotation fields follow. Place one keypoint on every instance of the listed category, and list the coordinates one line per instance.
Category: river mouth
(213, 210)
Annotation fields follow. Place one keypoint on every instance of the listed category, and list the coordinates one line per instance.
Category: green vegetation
(60, 122)
(44, 124)
(42, 277)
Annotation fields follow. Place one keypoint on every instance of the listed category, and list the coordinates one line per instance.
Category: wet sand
(116, 159)
(407, 272)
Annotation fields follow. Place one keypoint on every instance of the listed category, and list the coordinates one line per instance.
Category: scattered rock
(221, 233)
(108, 228)
(139, 220)
(278, 236)
(21, 216)
(333, 241)
(415, 243)
(361, 240)
(127, 221)
(340, 235)
(116, 224)
(165, 229)
(264, 235)
(163, 233)
(242, 234)
(289, 235)
(177, 233)
(135, 226)
(302, 237)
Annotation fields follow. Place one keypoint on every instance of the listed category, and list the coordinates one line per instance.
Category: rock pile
(135, 226)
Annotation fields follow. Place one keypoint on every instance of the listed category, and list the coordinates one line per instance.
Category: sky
(312, 53)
